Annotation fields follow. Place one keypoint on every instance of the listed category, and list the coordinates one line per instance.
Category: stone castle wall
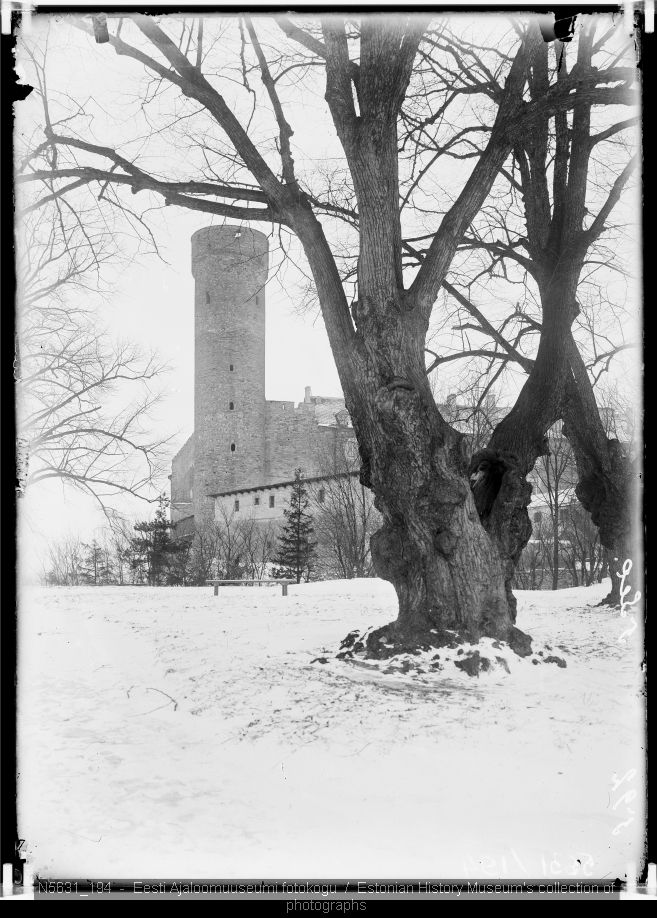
(230, 267)
(292, 440)
(182, 482)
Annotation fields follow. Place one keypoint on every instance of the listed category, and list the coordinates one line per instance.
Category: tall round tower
(230, 267)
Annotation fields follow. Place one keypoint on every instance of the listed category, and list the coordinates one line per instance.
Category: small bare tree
(120, 550)
(581, 550)
(204, 551)
(531, 569)
(555, 486)
(258, 542)
(345, 517)
(64, 564)
(229, 546)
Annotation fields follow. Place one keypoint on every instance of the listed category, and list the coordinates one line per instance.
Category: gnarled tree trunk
(609, 480)
(446, 570)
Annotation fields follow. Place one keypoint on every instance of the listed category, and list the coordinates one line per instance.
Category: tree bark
(499, 473)
(609, 481)
(445, 568)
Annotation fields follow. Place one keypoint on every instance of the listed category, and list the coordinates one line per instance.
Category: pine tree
(95, 567)
(154, 548)
(296, 548)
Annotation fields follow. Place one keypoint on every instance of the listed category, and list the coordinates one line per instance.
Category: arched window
(231, 406)
(232, 447)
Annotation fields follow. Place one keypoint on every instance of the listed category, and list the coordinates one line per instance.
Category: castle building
(244, 450)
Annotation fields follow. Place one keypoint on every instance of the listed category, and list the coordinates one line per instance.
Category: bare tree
(203, 554)
(344, 516)
(84, 400)
(548, 229)
(451, 573)
(556, 480)
(119, 542)
(581, 548)
(229, 545)
(258, 541)
(535, 557)
(64, 564)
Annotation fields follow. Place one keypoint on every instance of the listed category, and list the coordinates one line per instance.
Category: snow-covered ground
(168, 733)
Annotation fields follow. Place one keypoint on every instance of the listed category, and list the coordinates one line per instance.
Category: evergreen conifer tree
(154, 547)
(296, 547)
(95, 567)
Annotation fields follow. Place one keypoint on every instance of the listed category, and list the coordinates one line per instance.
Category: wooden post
(216, 589)
(284, 585)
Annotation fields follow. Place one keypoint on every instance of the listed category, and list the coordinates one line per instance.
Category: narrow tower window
(207, 296)
(257, 300)
(232, 447)
(256, 501)
(231, 406)
(231, 368)
(272, 500)
(321, 495)
(237, 505)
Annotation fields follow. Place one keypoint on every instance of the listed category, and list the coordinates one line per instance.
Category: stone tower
(230, 266)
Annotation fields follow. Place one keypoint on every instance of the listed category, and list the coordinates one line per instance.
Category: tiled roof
(326, 409)
(282, 484)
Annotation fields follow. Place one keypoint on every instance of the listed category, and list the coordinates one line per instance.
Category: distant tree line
(327, 525)
(324, 535)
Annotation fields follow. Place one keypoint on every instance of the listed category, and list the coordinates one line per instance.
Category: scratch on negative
(95, 840)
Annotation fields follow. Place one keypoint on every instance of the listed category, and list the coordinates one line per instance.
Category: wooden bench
(283, 583)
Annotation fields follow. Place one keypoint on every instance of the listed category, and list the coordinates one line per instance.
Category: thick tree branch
(314, 45)
(614, 129)
(338, 82)
(194, 85)
(486, 326)
(598, 226)
(462, 354)
(143, 182)
(237, 192)
(499, 248)
(285, 131)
